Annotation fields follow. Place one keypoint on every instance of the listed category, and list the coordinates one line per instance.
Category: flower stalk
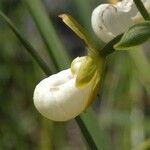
(139, 4)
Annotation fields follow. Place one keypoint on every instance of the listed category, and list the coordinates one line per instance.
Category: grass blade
(26, 44)
(54, 46)
(97, 140)
(142, 66)
(134, 36)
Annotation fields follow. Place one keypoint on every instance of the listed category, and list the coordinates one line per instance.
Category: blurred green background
(123, 107)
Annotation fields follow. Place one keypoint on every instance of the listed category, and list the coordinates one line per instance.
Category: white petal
(58, 99)
(98, 23)
(110, 20)
(118, 18)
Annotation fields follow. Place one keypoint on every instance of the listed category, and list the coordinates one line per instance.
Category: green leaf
(135, 36)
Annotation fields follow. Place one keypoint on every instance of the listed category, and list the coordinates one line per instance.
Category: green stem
(108, 48)
(27, 45)
(97, 140)
(142, 9)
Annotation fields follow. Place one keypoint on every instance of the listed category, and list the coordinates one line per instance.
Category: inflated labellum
(110, 20)
(66, 94)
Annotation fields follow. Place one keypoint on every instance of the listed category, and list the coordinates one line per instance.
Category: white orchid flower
(110, 20)
(60, 96)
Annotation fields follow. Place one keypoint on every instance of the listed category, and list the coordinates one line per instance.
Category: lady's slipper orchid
(110, 20)
(66, 94)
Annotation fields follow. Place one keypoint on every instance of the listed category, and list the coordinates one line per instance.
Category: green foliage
(54, 46)
(27, 45)
(96, 140)
(135, 36)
